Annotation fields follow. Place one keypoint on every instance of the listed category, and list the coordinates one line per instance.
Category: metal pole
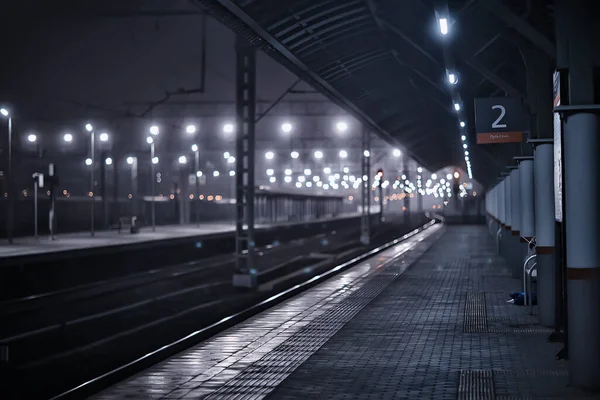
(93, 214)
(52, 175)
(197, 165)
(365, 237)
(153, 178)
(35, 206)
(381, 200)
(134, 173)
(245, 272)
(515, 209)
(9, 219)
(103, 192)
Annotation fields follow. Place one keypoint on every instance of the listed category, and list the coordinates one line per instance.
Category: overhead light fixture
(286, 127)
(397, 153)
(462, 124)
(463, 138)
(190, 129)
(457, 106)
(443, 26)
(228, 128)
(341, 126)
(452, 79)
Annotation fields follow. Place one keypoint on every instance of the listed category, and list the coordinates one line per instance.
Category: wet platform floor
(425, 319)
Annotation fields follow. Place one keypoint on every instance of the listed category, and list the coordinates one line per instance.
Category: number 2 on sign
(502, 114)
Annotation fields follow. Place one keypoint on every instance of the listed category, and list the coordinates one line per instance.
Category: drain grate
(265, 374)
(476, 385)
(524, 330)
(475, 313)
(531, 372)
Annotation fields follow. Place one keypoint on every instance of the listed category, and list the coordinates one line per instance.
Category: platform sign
(557, 151)
(499, 120)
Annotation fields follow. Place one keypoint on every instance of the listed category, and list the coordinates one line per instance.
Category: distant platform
(28, 246)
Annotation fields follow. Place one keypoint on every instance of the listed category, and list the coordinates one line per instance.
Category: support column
(502, 216)
(103, 191)
(496, 210)
(544, 228)
(245, 269)
(365, 221)
(577, 31)
(507, 234)
(527, 226)
(406, 201)
(515, 209)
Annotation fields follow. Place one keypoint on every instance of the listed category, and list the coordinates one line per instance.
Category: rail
(151, 358)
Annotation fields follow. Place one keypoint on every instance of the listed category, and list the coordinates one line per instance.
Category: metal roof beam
(235, 10)
(520, 25)
(493, 77)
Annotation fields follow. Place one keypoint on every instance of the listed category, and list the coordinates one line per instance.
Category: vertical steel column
(576, 22)
(9, 187)
(365, 221)
(515, 209)
(406, 201)
(103, 191)
(245, 272)
(92, 182)
(501, 216)
(544, 227)
(527, 208)
(506, 237)
(134, 186)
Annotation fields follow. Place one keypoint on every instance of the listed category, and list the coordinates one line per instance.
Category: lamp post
(154, 131)
(9, 220)
(105, 160)
(196, 151)
(90, 129)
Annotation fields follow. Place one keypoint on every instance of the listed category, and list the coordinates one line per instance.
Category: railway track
(81, 332)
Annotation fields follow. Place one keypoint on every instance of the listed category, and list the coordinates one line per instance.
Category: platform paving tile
(219, 362)
(410, 341)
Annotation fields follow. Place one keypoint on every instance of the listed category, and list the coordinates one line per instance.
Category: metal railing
(527, 279)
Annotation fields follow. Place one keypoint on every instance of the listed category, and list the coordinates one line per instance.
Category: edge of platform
(118, 374)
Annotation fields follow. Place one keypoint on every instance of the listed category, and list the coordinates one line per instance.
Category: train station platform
(427, 318)
(29, 246)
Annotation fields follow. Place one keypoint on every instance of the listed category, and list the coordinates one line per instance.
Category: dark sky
(53, 56)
